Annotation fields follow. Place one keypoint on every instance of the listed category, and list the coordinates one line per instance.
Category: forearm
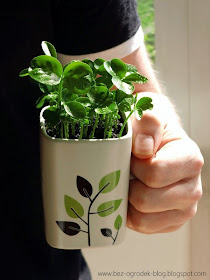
(163, 107)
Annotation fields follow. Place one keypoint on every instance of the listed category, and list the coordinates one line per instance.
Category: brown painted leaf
(84, 187)
(69, 228)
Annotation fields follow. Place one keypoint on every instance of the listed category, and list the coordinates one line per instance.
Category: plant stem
(81, 130)
(124, 124)
(94, 127)
(60, 93)
(61, 130)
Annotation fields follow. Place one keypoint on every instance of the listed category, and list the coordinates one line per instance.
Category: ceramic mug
(85, 190)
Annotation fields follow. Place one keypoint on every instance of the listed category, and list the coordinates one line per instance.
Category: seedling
(86, 99)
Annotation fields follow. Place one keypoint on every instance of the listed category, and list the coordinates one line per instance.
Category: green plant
(86, 99)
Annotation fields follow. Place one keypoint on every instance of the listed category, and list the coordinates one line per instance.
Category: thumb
(147, 135)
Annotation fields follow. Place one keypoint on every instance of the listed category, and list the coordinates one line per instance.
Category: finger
(147, 135)
(180, 195)
(154, 222)
(174, 162)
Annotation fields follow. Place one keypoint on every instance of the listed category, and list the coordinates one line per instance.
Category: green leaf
(120, 95)
(111, 178)
(109, 207)
(72, 206)
(124, 106)
(119, 67)
(126, 87)
(50, 97)
(23, 73)
(68, 96)
(48, 49)
(97, 93)
(77, 69)
(75, 109)
(78, 77)
(85, 101)
(135, 78)
(131, 68)
(106, 107)
(145, 103)
(98, 62)
(108, 67)
(118, 222)
(106, 80)
(51, 116)
(46, 70)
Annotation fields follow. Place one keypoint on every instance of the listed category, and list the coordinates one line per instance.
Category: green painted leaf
(126, 87)
(48, 49)
(75, 109)
(73, 206)
(23, 73)
(119, 67)
(111, 178)
(109, 207)
(118, 222)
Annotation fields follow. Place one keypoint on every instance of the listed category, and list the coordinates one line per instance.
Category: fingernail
(143, 144)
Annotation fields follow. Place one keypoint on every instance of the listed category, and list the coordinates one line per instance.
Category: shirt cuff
(118, 51)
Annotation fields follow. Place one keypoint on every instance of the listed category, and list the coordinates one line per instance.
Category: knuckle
(197, 194)
(154, 177)
(190, 213)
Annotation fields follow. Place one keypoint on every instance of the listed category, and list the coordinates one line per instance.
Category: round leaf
(144, 103)
(73, 207)
(126, 87)
(46, 70)
(108, 67)
(119, 67)
(69, 228)
(98, 93)
(48, 49)
(109, 207)
(51, 116)
(111, 178)
(75, 109)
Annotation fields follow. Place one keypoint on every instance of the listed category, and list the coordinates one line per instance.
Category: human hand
(167, 166)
